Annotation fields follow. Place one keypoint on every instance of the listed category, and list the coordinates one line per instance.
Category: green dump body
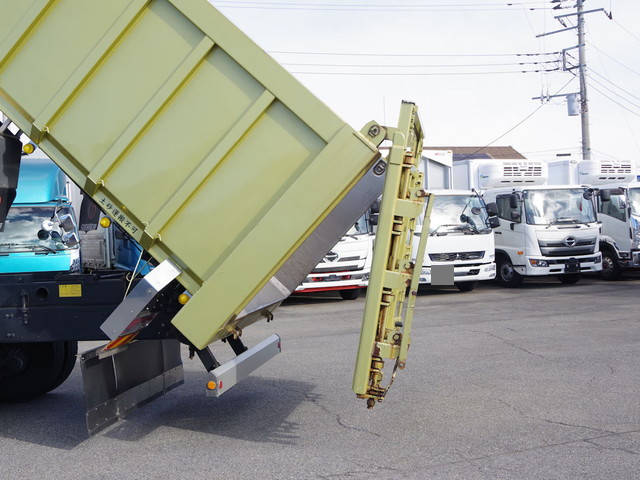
(188, 135)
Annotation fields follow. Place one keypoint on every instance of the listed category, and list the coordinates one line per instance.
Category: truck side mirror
(494, 222)
(375, 207)
(492, 209)
(515, 217)
(605, 195)
(513, 201)
(588, 194)
(373, 219)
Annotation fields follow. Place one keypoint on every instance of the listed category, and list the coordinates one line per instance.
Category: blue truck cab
(40, 233)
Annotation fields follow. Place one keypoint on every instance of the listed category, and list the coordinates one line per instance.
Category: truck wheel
(507, 275)
(350, 294)
(569, 279)
(610, 268)
(466, 286)
(28, 370)
(70, 355)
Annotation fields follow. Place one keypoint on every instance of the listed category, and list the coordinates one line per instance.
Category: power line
(591, 70)
(409, 65)
(627, 30)
(517, 124)
(615, 101)
(613, 59)
(381, 7)
(371, 54)
(421, 74)
(608, 89)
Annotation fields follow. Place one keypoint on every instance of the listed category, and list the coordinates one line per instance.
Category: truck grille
(453, 256)
(567, 247)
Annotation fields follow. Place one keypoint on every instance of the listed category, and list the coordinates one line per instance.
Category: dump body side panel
(187, 134)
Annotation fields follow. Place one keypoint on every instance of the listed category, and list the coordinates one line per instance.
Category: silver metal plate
(136, 375)
(121, 319)
(232, 372)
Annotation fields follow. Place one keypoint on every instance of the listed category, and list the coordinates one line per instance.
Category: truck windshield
(558, 206)
(20, 232)
(634, 200)
(457, 214)
(360, 227)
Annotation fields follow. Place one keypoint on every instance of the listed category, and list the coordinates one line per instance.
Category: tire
(610, 268)
(570, 279)
(71, 352)
(44, 367)
(506, 275)
(466, 286)
(350, 294)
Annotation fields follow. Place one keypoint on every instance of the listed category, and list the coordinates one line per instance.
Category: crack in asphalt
(619, 449)
(532, 449)
(511, 344)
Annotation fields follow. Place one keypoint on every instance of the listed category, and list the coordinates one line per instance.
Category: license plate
(572, 266)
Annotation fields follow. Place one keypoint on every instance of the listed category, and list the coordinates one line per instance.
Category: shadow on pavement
(54, 420)
(256, 409)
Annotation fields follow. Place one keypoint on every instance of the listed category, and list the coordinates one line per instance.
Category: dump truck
(231, 175)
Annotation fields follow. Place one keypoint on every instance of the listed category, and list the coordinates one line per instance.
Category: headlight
(538, 263)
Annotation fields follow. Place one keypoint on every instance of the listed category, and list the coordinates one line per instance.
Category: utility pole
(582, 67)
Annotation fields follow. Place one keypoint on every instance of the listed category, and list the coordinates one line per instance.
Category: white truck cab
(618, 206)
(460, 247)
(460, 237)
(346, 267)
(544, 229)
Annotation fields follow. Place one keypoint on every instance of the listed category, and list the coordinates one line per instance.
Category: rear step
(228, 374)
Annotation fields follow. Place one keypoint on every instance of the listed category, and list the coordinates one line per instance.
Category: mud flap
(120, 380)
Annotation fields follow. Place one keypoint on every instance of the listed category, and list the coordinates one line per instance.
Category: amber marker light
(105, 222)
(28, 148)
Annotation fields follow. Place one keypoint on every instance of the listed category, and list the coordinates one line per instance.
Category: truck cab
(461, 243)
(40, 233)
(460, 237)
(544, 229)
(618, 206)
(346, 267)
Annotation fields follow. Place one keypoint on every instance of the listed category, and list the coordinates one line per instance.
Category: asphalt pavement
(540, 382)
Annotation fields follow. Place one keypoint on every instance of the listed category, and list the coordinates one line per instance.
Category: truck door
(510, 235)
(613, 215)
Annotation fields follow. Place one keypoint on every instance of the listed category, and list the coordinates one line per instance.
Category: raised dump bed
(191, 138)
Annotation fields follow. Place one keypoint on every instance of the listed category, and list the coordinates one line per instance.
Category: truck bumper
(632, 261)
(560, 266)
(465, 273)
(323, 282)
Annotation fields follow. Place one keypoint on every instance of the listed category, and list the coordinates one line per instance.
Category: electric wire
(371, 54)
(560, 90)
(591, 70)
(407, 65)
(615, 101)
(613, 59)
(420, 74)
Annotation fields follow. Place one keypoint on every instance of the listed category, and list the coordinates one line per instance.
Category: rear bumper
(323, 282)
(558, 266)
(465, 273)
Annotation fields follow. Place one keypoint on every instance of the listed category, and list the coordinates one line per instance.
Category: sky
(399, 42)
